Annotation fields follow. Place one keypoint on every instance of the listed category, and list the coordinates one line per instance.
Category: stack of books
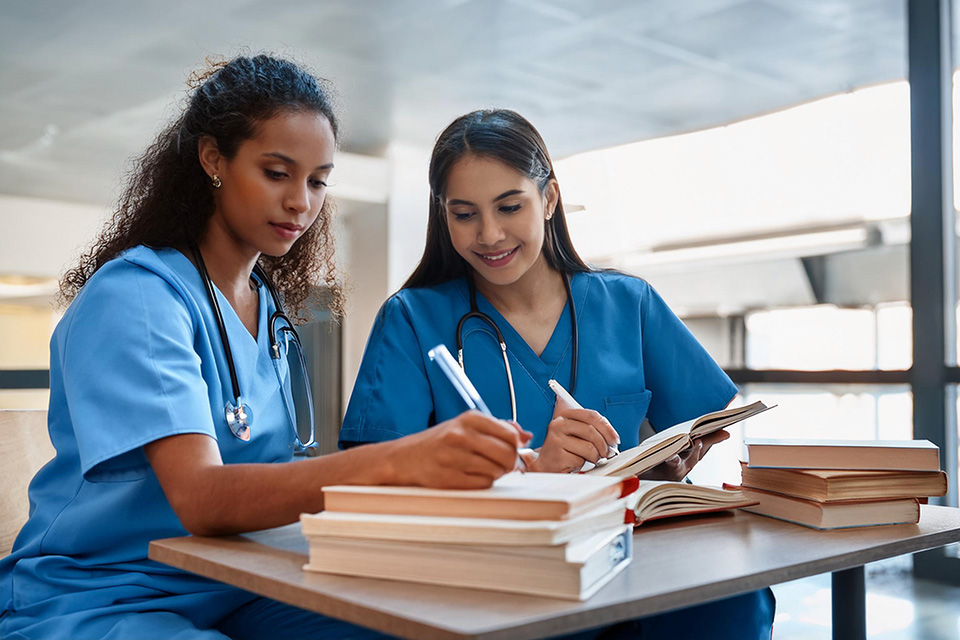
(547, 534)
(841, 483)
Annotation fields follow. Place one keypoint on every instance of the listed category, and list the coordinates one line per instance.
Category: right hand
(573, 436)
(466, 452)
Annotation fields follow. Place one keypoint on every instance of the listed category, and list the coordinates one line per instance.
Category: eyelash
(279, 175)
(506, 210)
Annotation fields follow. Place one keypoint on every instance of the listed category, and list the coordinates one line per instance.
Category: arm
(210, 498)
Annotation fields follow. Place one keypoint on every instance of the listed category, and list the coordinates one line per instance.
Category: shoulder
(615, 283)
(448, 295)
(139, 282)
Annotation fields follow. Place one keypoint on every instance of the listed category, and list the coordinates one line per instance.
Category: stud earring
(216, 182)
(550, 216)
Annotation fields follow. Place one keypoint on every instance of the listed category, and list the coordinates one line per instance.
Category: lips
(287, 230)
(498, 258)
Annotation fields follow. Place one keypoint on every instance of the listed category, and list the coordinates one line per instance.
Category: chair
(24, 448)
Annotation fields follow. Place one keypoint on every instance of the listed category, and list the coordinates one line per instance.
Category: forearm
(218, 499)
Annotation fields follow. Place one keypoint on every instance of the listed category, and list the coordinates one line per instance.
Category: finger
(480, 465)
(597, 421)
(498, 452)
(713, 438)
(492, 427)
(583, 432)
(525, 436)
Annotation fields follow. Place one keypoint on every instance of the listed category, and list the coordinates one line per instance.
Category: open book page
(665, 444)
(661, 499)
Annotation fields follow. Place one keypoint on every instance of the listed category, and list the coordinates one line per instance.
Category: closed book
(825, 485)
(667, 443)
(515, 496)
(834, 515)
(879, 455)
(662, 499)
(574, 571)
(484, 531)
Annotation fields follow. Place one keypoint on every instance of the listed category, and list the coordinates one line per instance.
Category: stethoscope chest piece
(239, 419)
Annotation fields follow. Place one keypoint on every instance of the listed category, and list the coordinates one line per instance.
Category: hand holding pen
(577, 438)
(461, 383)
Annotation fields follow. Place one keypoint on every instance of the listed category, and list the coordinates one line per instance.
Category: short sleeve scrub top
(636, 361)
(137, 357)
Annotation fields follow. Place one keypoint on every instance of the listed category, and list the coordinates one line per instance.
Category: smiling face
(496, 215)
(275, 185)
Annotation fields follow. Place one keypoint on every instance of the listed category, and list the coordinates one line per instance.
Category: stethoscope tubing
(486, 319)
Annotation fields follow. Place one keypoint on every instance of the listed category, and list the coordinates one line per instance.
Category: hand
(466, 452)
(677, 467)
(574, 435)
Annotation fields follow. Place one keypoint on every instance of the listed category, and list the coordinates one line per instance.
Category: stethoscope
(238, 415)
(479, 315)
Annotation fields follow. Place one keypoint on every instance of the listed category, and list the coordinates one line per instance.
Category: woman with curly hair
(171, 313)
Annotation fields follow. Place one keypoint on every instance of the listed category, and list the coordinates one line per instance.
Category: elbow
(198, 519)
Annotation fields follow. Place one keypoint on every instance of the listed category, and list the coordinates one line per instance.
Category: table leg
(849, 604)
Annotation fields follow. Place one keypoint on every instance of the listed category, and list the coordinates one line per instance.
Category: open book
(661, 499)
(664, 445)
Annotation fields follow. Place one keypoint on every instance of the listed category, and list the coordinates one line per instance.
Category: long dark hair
(168, 199)
(502, 135)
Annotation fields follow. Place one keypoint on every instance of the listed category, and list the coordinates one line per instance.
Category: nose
(297, 198)
(490, 231)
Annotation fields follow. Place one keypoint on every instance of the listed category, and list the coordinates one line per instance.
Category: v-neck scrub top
(137, 357)
(636, 360)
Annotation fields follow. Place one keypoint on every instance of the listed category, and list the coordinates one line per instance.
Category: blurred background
(750, 158)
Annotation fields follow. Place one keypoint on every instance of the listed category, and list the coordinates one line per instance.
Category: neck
(537, 289)
(228, 264)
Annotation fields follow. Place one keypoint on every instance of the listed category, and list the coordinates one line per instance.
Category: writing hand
(573, 436)
(466, 452)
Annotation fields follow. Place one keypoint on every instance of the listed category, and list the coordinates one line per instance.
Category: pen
(562, 393)
(458, 378)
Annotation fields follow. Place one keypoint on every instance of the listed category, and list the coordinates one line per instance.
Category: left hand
(677, 467)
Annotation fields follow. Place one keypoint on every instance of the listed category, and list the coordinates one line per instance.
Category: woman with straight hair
(502, 286)
(178, 396)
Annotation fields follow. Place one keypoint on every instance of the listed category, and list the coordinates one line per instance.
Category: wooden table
(676, 564)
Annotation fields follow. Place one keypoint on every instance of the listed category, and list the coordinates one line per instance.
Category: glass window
(836, 412)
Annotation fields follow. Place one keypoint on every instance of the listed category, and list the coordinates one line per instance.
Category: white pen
(558, 389)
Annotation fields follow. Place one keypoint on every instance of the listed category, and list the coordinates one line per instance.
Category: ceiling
(84, 85)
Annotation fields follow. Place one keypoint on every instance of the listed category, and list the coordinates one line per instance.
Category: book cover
(834, 515)
(825, 485)
(879, 455)
(518, 496)
(575, 572)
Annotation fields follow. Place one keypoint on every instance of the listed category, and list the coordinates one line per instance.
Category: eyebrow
(505, 194)
(289, 160)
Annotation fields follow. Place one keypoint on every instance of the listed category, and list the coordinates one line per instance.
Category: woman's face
(274, 187)
(496, 217)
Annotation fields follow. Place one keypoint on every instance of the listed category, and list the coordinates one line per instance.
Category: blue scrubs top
(636, 360)
(137, 357)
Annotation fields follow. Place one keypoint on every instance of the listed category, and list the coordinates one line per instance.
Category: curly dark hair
(168, 199)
